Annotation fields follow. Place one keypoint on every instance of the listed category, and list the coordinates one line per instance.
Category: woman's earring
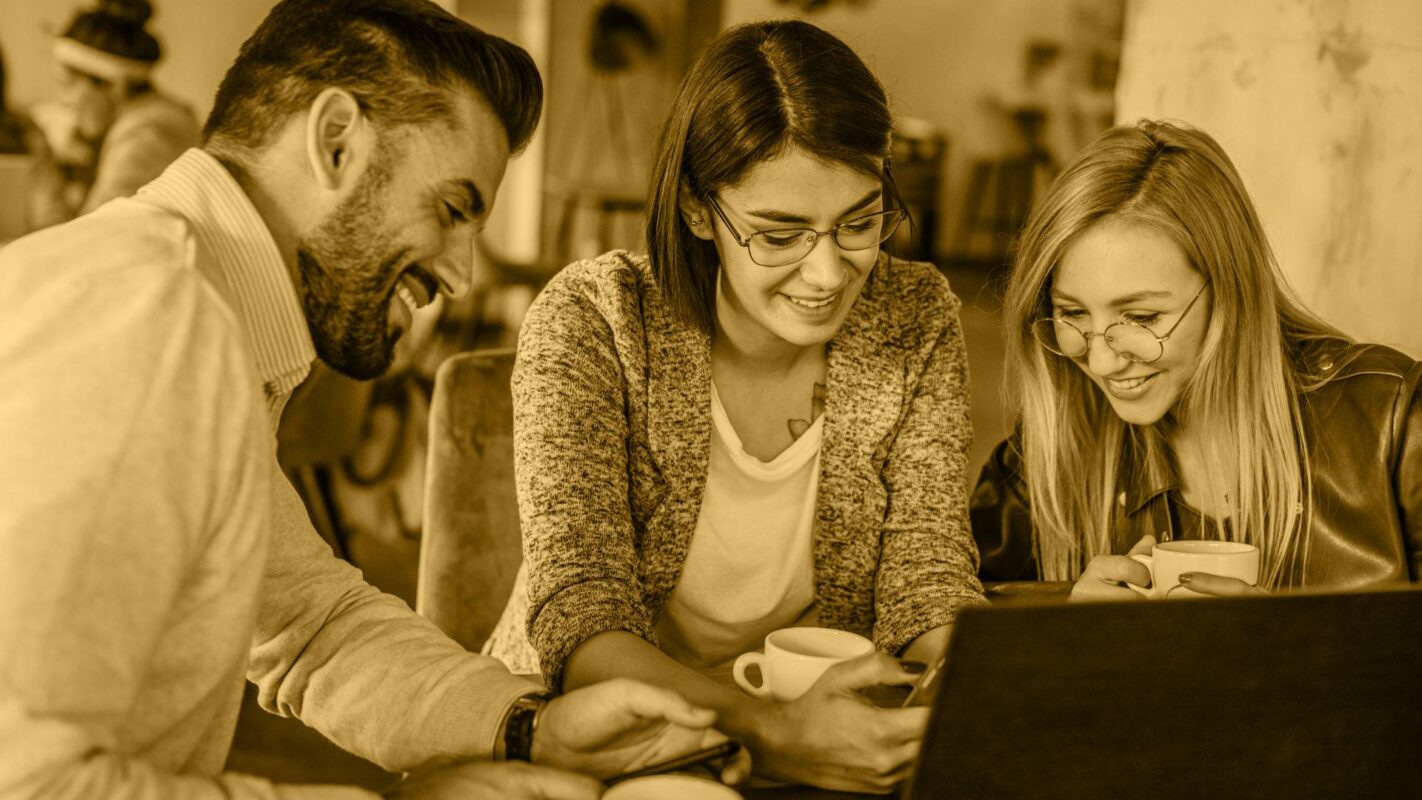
(695, 222)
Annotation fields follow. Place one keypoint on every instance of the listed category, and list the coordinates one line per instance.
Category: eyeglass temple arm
(1163, 338)
(735, 234)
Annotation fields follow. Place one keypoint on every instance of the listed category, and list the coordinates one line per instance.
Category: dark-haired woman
(111, 128)
(761, 424)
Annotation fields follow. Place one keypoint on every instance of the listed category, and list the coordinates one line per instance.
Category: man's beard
(345, 290)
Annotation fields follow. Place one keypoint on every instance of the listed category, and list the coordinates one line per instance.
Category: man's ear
(696, 214)
(338, 139)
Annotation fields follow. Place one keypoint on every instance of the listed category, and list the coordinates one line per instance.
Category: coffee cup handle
(1143, 591)
(744, 661)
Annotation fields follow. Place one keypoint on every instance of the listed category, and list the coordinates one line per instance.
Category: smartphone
(927, 687)
(724, 750)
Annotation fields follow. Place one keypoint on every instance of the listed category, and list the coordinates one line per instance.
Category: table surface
(800, 793)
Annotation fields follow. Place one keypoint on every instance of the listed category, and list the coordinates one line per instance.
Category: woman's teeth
(1129, 383)
(812, 303)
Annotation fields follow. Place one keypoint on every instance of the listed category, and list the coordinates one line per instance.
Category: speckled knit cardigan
(612, 438)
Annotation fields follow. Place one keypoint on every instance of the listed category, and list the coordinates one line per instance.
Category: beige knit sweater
(612, 433)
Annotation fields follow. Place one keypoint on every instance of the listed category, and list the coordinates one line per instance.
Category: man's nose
(454, 268)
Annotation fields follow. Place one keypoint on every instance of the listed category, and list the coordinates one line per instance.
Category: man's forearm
(618, 654)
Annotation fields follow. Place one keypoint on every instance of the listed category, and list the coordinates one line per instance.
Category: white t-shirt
(750, 567)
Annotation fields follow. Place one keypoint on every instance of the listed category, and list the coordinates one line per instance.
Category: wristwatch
(520, 724)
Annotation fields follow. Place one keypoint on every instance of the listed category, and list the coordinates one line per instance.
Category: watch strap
(520, 725)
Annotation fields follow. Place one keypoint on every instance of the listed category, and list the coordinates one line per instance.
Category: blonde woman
(1171, 386)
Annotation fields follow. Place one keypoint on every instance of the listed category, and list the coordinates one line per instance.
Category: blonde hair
(1179, 181)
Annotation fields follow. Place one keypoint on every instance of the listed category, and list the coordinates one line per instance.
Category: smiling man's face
(404, 234)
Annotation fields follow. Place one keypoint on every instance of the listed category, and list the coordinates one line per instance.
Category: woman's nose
(822, 267)
(1101, 359)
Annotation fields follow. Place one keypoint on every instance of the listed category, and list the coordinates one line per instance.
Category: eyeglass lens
(1133, 341)
(774, 248)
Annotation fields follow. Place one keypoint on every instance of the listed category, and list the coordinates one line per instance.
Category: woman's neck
(1204, 484)
(740, 343)
(748, 357)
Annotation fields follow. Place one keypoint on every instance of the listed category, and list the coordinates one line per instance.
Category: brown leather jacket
(1363, 426)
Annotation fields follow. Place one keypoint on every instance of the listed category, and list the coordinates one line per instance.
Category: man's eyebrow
(781, 216)
(473, 198)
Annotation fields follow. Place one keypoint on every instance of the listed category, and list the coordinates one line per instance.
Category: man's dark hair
(399, 58)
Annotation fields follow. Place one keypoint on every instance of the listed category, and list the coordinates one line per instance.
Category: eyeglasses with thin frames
(781, 247)
(1129, 339)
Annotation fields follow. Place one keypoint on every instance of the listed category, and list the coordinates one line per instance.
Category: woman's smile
(803, 303)
(1129, 388)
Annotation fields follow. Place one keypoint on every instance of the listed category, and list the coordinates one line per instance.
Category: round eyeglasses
(1129, 339)
(784, 246)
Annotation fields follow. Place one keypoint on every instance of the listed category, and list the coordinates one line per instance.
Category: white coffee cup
(795, 658)
(670, 787)
(1168, 560)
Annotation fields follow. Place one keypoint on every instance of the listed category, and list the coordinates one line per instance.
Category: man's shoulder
(127, 269)
(123, 234)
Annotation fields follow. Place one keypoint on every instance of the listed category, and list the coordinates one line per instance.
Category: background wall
(1318, 104)
(601, 126)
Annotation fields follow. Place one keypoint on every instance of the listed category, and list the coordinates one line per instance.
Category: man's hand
(622, 725)
(489, 780)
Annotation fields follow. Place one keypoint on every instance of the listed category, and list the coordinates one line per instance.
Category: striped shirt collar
(252, 275)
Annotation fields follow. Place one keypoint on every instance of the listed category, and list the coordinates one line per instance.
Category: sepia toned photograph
(710, 399)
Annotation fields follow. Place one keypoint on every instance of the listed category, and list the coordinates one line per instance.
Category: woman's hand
(1105, 576)
(1218, 585)
(622, 725)
(835, 738)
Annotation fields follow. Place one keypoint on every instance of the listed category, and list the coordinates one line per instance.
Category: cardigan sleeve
(928, 564)
(571, 469)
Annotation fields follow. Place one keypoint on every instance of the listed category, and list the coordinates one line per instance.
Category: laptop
(1290, 696)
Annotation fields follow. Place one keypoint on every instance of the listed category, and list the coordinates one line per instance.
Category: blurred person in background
(36, 174)
(111, 129)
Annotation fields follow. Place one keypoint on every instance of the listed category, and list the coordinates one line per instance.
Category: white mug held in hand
(795, 658)
(1168, 560)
